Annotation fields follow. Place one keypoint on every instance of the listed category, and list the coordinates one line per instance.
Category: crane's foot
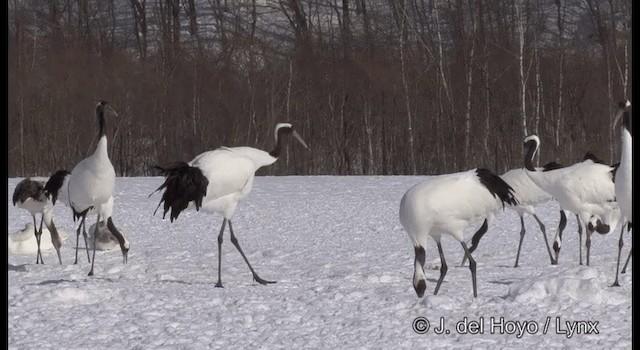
(615, 284)
(261, 281)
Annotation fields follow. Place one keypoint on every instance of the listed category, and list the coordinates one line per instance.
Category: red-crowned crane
(91, 183)
(623, 179)
(585, 189)
(446, 204)
(216, 181)
(30, 195)
(57, 189)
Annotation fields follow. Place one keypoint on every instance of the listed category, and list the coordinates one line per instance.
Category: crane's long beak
(111, 110)
(299, 138)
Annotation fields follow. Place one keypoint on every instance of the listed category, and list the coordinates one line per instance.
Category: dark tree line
(374, 86)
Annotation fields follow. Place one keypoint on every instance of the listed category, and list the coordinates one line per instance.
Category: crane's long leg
(544, 234)
(472, 267)
(522, 232)
(234, 240)
(620, 244)
(77, 240)
(580, 238)
(557, 244)
(624, 268)
(78, 236)
(38, 233)
(219, 284)
(443, 268)
(84, 234)
(95, 238)
(589, 231)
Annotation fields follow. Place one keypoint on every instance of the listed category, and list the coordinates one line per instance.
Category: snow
(343, 266)
(23, 241)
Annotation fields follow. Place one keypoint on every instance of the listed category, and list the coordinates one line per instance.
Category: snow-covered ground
(343, 265)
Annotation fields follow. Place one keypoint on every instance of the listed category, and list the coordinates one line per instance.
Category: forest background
(374, 86)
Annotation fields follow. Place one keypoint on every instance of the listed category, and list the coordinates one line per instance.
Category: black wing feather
(54, 184)
(553, 165)
(497, 186)
(591, 156)
(182, 185)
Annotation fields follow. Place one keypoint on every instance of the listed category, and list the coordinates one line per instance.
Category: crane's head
(102, 105)
(624, 108)
(532, 141)
(285, 129)
(532, 138)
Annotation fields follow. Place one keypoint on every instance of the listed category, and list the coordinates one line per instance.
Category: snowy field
(343, 265)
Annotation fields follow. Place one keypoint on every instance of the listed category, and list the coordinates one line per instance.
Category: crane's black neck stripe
(277, 150)
(420, 255)
(475, 240)
(561, 226)
(497, 186)
(531, 146)
(116, 233)
(101, 121)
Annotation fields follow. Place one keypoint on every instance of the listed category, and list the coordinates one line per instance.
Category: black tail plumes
(183, 184)
(54, 184)
(497, 186)
(592, 157)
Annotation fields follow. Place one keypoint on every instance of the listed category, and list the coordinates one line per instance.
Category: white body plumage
(231, 172)
(216, 181)
(446, 204)
(585, 188)
(92, 180)
(526, 191)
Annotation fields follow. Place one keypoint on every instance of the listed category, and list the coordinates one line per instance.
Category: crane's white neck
(626, 147)
(101, 149)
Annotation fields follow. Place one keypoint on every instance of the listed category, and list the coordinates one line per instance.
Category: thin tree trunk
(521, 77)
(538, 94)
(467, 116)
(366, 111)
(560, 87)
(447, 94)
(405, 85)
(22, 155)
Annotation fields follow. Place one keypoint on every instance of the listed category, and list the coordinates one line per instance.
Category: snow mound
(71, 296)
(583, 284)
(106, 240)
(23, 242)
